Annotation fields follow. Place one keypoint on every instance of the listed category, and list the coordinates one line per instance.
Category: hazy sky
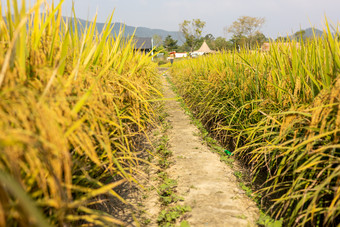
(282, 16)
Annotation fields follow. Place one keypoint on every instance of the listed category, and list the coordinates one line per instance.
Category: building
(174, 55)
(181, 55)
(143, 44)
(265, 47)
(280, 45)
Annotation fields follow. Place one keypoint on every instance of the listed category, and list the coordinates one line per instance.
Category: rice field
(74, 106)
(279, 112)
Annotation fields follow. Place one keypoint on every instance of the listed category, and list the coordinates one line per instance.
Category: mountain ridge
(309, 33)
(142, 32)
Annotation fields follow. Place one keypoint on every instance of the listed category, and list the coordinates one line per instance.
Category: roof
(265, 47)
(143, 43)
(204, 48)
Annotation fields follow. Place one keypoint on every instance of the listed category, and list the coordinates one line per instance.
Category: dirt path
(207, 185)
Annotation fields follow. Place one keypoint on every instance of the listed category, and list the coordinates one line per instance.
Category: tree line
(245, 33)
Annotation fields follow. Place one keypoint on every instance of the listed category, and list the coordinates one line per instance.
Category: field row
(278, 111)
(74, 107)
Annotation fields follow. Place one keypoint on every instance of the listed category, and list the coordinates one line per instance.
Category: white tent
(204, 49)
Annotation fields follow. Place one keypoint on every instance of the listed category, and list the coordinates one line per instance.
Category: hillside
(309, 32)
(129, 30)
(140, 31)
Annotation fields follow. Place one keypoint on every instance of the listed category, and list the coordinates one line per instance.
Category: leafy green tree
(244, 29)
(258, 39)
(239, 41)
(299, 35)
(209, 37)
(210, 40)
(170, 44)
(281, 39)
(192, 31)
(222, 44)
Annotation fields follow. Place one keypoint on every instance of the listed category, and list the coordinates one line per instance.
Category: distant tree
(209, 37)
(210, 40)
(192, 31)
(244, 29)
(222, 44)
(157, 40)
(281, 39)
(182, 48)
(246, 26)
(160, 49)
(299, 35)
(190, 43)
(170, 44)
(239, 41)
(258, 39)
(185, 47)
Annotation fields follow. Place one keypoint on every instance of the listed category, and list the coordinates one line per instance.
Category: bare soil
(207, 185)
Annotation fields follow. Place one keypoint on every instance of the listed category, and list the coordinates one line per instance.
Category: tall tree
(246, 27)
(170, 44)
(222, 44)
(210, 39)
(258, 39)
(192, 31)
(157, 40)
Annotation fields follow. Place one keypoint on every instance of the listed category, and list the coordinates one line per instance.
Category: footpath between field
(206, 184)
